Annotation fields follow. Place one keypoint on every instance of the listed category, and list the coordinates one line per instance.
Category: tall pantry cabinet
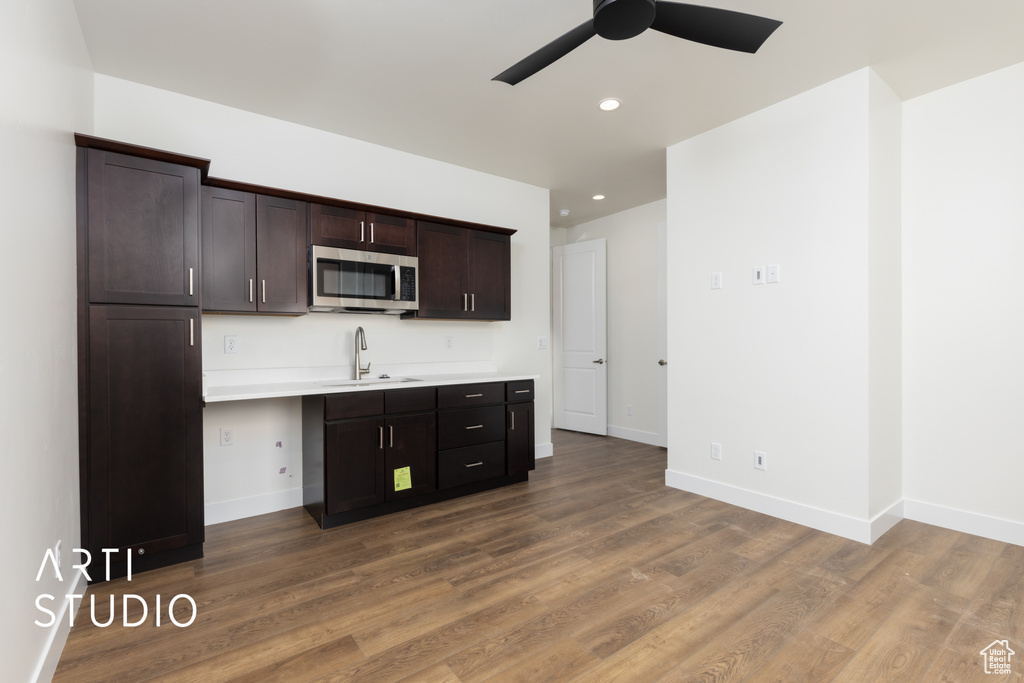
(140, 364)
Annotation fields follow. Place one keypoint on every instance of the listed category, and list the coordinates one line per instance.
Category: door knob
(663, 362)
(599, 361)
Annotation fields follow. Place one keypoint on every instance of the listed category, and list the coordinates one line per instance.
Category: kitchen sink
(367, 381)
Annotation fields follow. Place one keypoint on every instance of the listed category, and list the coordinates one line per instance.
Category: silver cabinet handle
(371, 233)
(473, 395)
(513, 421)
(599, 361)
(191, 332)
(474, 427)
(250, 290)
(391, 428)
(362, 231)
(522, 391)
(472, 302)
(473, 464)
(264, 291)
(381, 429)
(662, 362)
(190, 288)
(465, 302)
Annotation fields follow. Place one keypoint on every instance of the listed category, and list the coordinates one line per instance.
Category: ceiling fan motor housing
(621, 19)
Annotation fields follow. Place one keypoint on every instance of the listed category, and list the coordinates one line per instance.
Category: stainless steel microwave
(349, 280)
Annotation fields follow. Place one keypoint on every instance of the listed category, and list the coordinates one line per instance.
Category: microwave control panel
(408, 284)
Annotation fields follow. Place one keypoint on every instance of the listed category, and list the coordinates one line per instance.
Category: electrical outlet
(716, 280)
(449, 343)
(542, 342)
(227, 436)
(629, 409)
(716, 451)
(772, 274)
(230, 343)
(760, 460)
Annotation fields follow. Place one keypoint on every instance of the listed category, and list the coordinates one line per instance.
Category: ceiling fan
(621, 19)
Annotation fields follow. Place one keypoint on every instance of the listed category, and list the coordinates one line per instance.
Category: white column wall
(781, 368)
(963, 305)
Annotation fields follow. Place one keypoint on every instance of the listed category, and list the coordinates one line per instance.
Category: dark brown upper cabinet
(143, 218)
(254, 253)
(464, 273)
(335, 226)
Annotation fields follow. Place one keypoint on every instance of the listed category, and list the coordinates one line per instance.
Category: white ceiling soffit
(416, 76)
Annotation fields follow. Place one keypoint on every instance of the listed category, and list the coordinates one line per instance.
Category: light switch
(758, 275)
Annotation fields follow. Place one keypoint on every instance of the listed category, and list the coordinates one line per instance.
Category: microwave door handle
(398, 283)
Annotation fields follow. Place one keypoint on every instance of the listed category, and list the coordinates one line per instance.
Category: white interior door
(580, 337)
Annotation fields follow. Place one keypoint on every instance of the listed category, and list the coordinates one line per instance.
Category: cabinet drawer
(519, 392)
(460, 395)
(356, 404)
(473, 463)
(469, 426)
(418, 400)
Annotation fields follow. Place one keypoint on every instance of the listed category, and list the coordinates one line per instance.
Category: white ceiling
(415, 75)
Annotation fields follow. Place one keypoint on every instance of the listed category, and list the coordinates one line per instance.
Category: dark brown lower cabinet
(520, 449)
(369, 453)
(143, 491)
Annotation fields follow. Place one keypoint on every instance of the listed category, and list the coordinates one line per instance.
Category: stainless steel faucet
(361, 343)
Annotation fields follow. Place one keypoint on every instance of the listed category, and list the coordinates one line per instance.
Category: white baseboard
(241, 508)
(974, 523)
(59, 632)
(862, 530)
(649, 438)
(544, 450)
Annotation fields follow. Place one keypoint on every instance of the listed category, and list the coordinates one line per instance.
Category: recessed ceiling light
(609, 104)
(598, 197)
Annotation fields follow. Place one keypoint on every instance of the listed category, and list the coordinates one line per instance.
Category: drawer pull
(475, 427)
(381, 437)
(473, 395)
(522, 391)
(473, 464)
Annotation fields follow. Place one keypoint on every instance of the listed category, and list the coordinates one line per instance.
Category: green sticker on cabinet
(403, 479)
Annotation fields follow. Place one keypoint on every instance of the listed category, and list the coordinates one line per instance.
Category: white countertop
(243, 385)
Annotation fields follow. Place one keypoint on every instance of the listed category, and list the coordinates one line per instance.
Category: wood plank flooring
(594, 570)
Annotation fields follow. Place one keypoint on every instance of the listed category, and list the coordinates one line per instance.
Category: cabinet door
(488, 265)
(281, 255)
(334, 226)
(390, 234)
(442, 258)
(411, 442)
(353, 464)
(144, 460)
(143, 244)
(521, 453)
(229, 250)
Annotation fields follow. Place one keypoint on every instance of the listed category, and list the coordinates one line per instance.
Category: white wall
(46, 85)
(782, 368)
(963, 305)
(632, 242)
(264, 151)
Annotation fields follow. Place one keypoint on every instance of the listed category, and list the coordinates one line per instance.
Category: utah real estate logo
(998, 657)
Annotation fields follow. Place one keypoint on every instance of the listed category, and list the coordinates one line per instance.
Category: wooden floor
(591, 571)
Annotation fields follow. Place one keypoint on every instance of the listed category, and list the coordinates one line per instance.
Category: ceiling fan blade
(712, 26)
(548, 54)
